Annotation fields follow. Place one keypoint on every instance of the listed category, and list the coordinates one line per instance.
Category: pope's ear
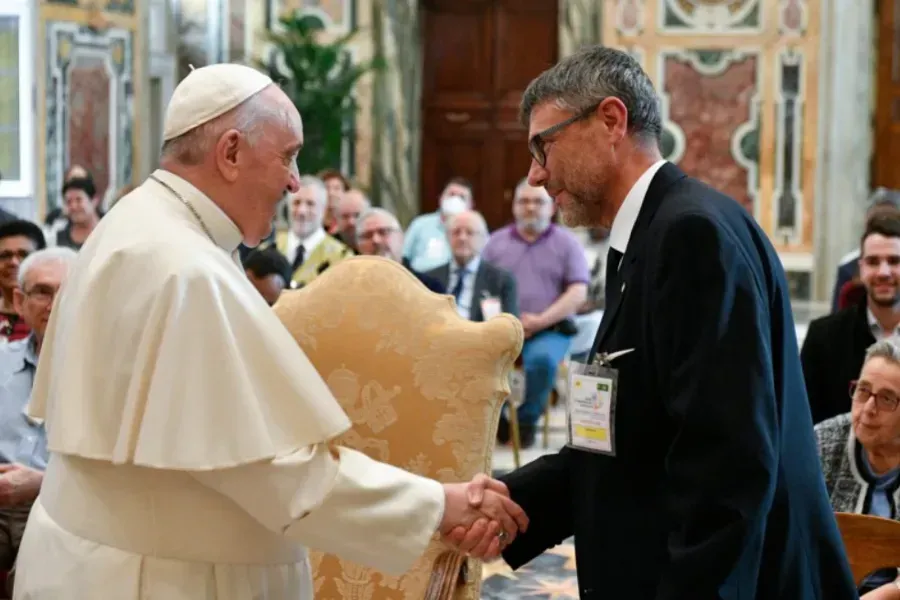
(227, 153)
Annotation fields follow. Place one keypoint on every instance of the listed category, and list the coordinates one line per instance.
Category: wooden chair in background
(423, 388)
(872, 543)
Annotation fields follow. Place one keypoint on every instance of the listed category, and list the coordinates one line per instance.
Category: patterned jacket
(847, 481)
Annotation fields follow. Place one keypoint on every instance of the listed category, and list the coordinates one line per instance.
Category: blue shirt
(426, 246)
(22, 440)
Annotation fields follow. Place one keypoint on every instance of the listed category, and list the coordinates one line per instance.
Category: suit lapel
(664, 178)
(478, 293)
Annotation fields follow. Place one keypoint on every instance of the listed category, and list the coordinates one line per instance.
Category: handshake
(479, 518)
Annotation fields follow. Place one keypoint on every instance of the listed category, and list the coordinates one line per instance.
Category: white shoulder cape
(160, 353)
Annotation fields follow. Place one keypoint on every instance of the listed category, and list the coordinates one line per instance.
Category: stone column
(846, 86)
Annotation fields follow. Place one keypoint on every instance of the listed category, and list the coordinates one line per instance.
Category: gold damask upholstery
(423, 388)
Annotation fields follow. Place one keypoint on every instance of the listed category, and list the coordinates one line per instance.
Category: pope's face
(272, 168)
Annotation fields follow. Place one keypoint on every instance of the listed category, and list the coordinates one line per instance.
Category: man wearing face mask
(552, 277)
(426, 246)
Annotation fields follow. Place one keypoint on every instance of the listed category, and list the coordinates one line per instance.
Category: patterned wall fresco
(87, 95)
(737, 81)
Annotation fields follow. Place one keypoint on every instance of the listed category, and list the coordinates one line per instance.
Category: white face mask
(453, 205)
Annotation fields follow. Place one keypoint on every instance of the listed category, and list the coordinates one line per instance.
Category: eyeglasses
(41, 294)
(8, 255)
(537, 142)
(381, 231)
(860, 392)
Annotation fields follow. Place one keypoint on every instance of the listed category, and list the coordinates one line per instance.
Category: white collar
(310, 242)
(224, 231)
(622, 225)
(471, 266)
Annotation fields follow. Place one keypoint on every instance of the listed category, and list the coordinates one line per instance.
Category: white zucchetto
(209, 92)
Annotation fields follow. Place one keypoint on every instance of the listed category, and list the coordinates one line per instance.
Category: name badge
(490, 308)
(591, 405)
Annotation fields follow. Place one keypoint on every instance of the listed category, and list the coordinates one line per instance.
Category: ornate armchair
(423, 388)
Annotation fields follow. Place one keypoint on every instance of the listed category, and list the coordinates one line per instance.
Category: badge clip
(604, 359)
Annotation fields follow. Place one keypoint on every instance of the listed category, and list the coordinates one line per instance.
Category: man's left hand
(19, 485)
(531, 323)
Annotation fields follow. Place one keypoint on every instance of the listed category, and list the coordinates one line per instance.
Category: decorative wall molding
(699, 17)
(788, 197)
(69, 47)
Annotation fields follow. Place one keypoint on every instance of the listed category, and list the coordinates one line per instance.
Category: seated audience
(336, 185)
(426, 245)
(23, 445)
(268, 271)
(480, 289)
(352, 204)
(83, 212)
(860, 450)
(835, 344)
(552, 277)
(306, 245)
(378, 233)
(18, 239)
(882, 200)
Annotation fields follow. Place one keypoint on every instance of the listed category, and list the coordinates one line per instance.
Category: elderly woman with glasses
(860, 450)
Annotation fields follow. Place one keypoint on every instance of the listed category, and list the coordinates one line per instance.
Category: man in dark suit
(476, 285)
(714, 489)
(835, 345)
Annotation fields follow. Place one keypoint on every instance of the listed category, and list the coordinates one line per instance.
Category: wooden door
(887, 112)
(479, 56)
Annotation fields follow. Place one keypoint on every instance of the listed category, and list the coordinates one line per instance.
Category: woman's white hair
(58, 254)
(888, 349)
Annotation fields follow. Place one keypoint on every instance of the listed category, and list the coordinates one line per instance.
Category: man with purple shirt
(552, 277)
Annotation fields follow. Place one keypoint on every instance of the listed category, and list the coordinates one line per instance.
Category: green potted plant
(319, 77)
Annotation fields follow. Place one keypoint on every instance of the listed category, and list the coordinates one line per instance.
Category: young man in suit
(476, 285)
(836, 344)
(712, 489)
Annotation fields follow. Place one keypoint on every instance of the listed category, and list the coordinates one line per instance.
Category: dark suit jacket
(715, 491)
(832, 355)
(489, 281)
(845, 272)
(430, 282)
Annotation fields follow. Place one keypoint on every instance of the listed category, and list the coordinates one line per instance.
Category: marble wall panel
(710, 104)
(89, 106)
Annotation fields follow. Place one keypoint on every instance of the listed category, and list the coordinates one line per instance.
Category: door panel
(479, 57)
(887, 114)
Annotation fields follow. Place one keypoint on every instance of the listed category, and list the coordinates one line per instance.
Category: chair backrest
(423, 388)
(872, 543)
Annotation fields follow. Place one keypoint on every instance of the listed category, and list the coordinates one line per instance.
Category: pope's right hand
(479, 518)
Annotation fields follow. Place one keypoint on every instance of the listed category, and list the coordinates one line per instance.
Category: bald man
(190, 437)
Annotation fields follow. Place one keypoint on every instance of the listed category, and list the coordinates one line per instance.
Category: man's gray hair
(58, 254)
(317, 186)
(375, 211)
(888, 349)
(191, 147)
(582, 80)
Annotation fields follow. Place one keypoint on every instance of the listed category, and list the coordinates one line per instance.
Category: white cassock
(188, 429)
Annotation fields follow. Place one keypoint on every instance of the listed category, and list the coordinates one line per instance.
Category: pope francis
(189, 434)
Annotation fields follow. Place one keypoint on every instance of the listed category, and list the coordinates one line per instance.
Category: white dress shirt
(464, 305)
(622, 225)
(309, 243)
